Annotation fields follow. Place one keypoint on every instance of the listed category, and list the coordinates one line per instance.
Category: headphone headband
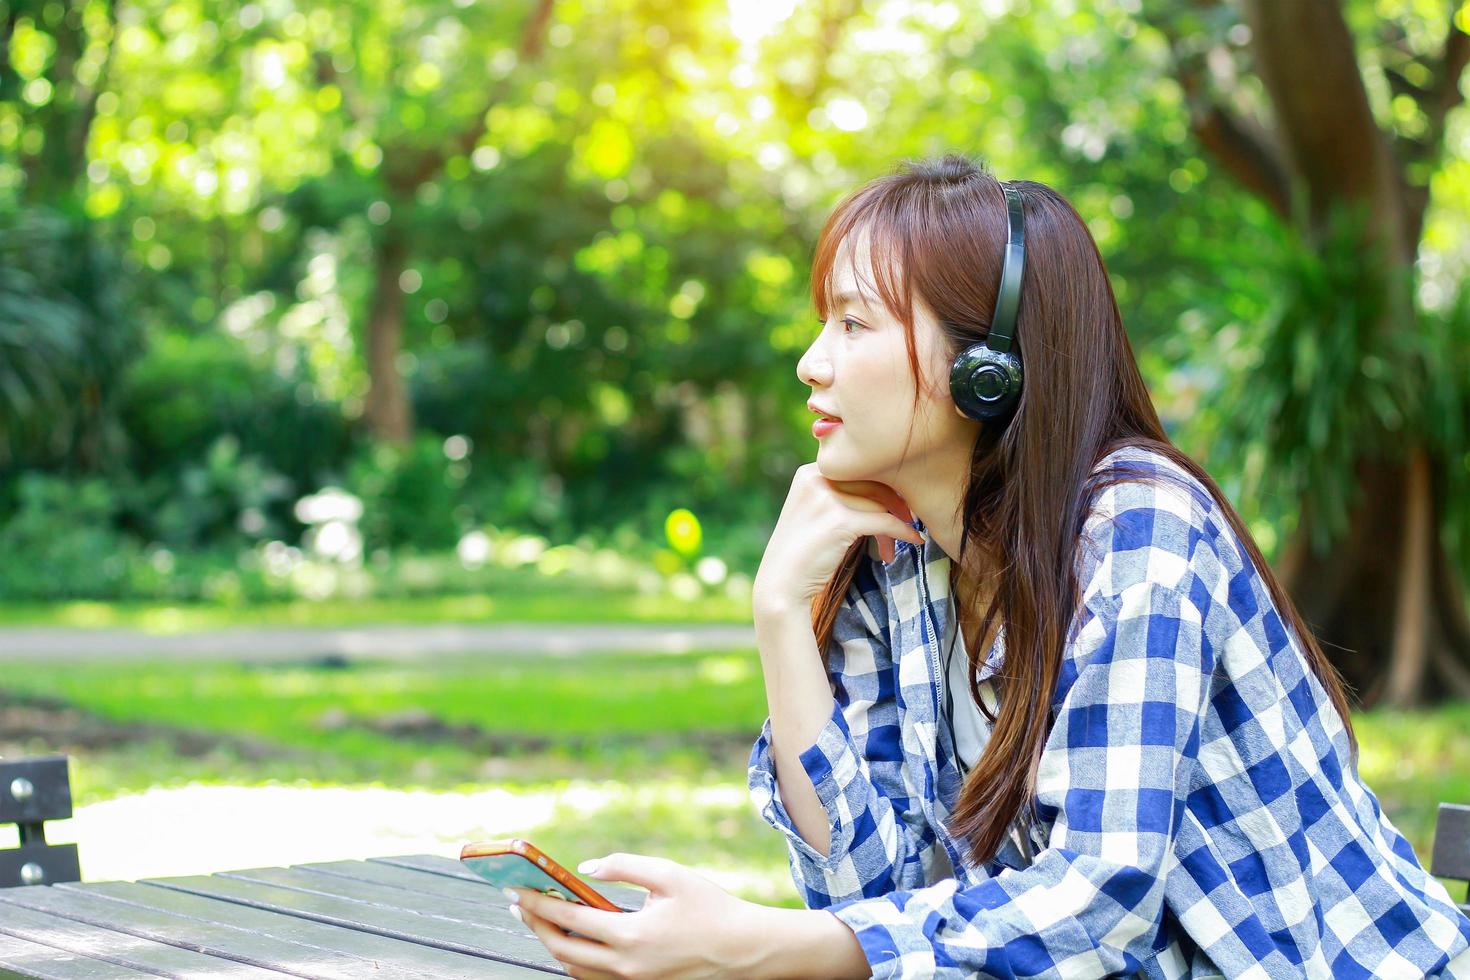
(1008, 298)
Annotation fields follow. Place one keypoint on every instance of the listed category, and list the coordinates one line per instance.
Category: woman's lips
(822, 427)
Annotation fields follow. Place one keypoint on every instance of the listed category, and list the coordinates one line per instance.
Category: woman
(1100, 739)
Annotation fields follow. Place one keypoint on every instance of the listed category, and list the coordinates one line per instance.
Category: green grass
(548, 605)
(1413, 761)
(660, 726)
(593, 711)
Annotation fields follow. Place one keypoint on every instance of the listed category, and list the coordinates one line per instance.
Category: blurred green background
(434, 311)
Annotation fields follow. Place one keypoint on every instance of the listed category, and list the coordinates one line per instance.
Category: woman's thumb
(639, 869)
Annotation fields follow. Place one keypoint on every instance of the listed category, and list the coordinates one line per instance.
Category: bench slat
(1451, 858)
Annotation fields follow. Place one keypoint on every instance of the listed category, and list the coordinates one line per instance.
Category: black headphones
(985, 378)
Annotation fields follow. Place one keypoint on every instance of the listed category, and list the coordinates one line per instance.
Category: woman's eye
(850, 321)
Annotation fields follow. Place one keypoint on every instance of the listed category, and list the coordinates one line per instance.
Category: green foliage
(191, 391)
(62, 343)
(41, 334)
(1444, 346)
(606, 222)
(410, 494)
(1332, 379)
(61, 542)
(222, 496)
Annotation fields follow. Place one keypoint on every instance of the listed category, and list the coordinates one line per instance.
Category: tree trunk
(388, 412)
(1386, 601)
(55, 172)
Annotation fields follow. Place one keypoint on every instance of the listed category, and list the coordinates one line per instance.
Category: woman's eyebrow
(843, 299)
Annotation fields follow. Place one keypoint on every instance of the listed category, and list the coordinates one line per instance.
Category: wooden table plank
(103, 943)
(463, 937)
(474, 889)
(398, 887)
(321, 950)
(622, 896)
(489, 909)
(288, 922)
(415, 917)
(20, 958)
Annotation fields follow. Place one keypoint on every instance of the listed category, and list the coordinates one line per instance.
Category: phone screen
(515, 871)
(517, 863)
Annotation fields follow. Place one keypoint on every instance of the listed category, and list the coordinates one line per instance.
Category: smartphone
(516, 863)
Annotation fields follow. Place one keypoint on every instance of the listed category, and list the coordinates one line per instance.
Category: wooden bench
(1451, 857)
(32, 791)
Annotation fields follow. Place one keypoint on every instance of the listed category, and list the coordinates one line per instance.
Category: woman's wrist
(782, 943)
(776, 619)
(774, 606)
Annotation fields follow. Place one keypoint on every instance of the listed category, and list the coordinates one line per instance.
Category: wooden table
(416, 916)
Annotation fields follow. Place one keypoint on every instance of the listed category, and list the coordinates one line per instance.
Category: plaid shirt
(1196, 813)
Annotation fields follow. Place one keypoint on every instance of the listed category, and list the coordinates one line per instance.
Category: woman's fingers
(888, 527)
(886, 547)
(879, 493)
(596, 924)
(571, 950)
(887, 530)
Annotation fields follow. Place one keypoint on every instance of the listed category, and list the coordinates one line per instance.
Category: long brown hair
(937, 230)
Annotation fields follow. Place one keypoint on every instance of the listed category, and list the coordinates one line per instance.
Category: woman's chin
(831, 465)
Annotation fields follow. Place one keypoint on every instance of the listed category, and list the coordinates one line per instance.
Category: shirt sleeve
(879, 838)
(1113, 770)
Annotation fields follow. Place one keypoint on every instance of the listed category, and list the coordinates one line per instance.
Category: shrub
(61, 542)
(409, 493)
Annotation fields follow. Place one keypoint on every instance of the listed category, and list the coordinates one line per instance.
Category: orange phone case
(514, 847)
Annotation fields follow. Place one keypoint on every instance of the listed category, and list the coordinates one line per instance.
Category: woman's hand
(687, 927)
(819, 522)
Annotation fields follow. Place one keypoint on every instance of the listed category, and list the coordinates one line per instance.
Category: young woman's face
(858, 370)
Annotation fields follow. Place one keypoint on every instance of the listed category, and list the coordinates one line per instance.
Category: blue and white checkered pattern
(1197, 814)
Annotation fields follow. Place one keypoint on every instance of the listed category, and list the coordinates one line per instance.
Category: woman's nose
(813, 368)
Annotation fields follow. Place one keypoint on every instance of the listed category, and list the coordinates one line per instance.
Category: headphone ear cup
(985, 384)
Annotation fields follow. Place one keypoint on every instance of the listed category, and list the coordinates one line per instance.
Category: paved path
(199, 829)
(401, 642)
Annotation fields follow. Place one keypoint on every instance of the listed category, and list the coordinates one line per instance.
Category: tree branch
(1444, 93)
(8, 77)
(430, 162)
(1243, 146)
(1436, 99)
(1306, 58)
(89, 110)
(327, 74)
(1246, 148)
(835, 15)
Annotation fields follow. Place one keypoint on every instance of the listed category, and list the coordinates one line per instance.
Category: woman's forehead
(853, 272)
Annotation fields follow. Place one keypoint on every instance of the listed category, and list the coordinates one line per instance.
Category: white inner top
(971, 730)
